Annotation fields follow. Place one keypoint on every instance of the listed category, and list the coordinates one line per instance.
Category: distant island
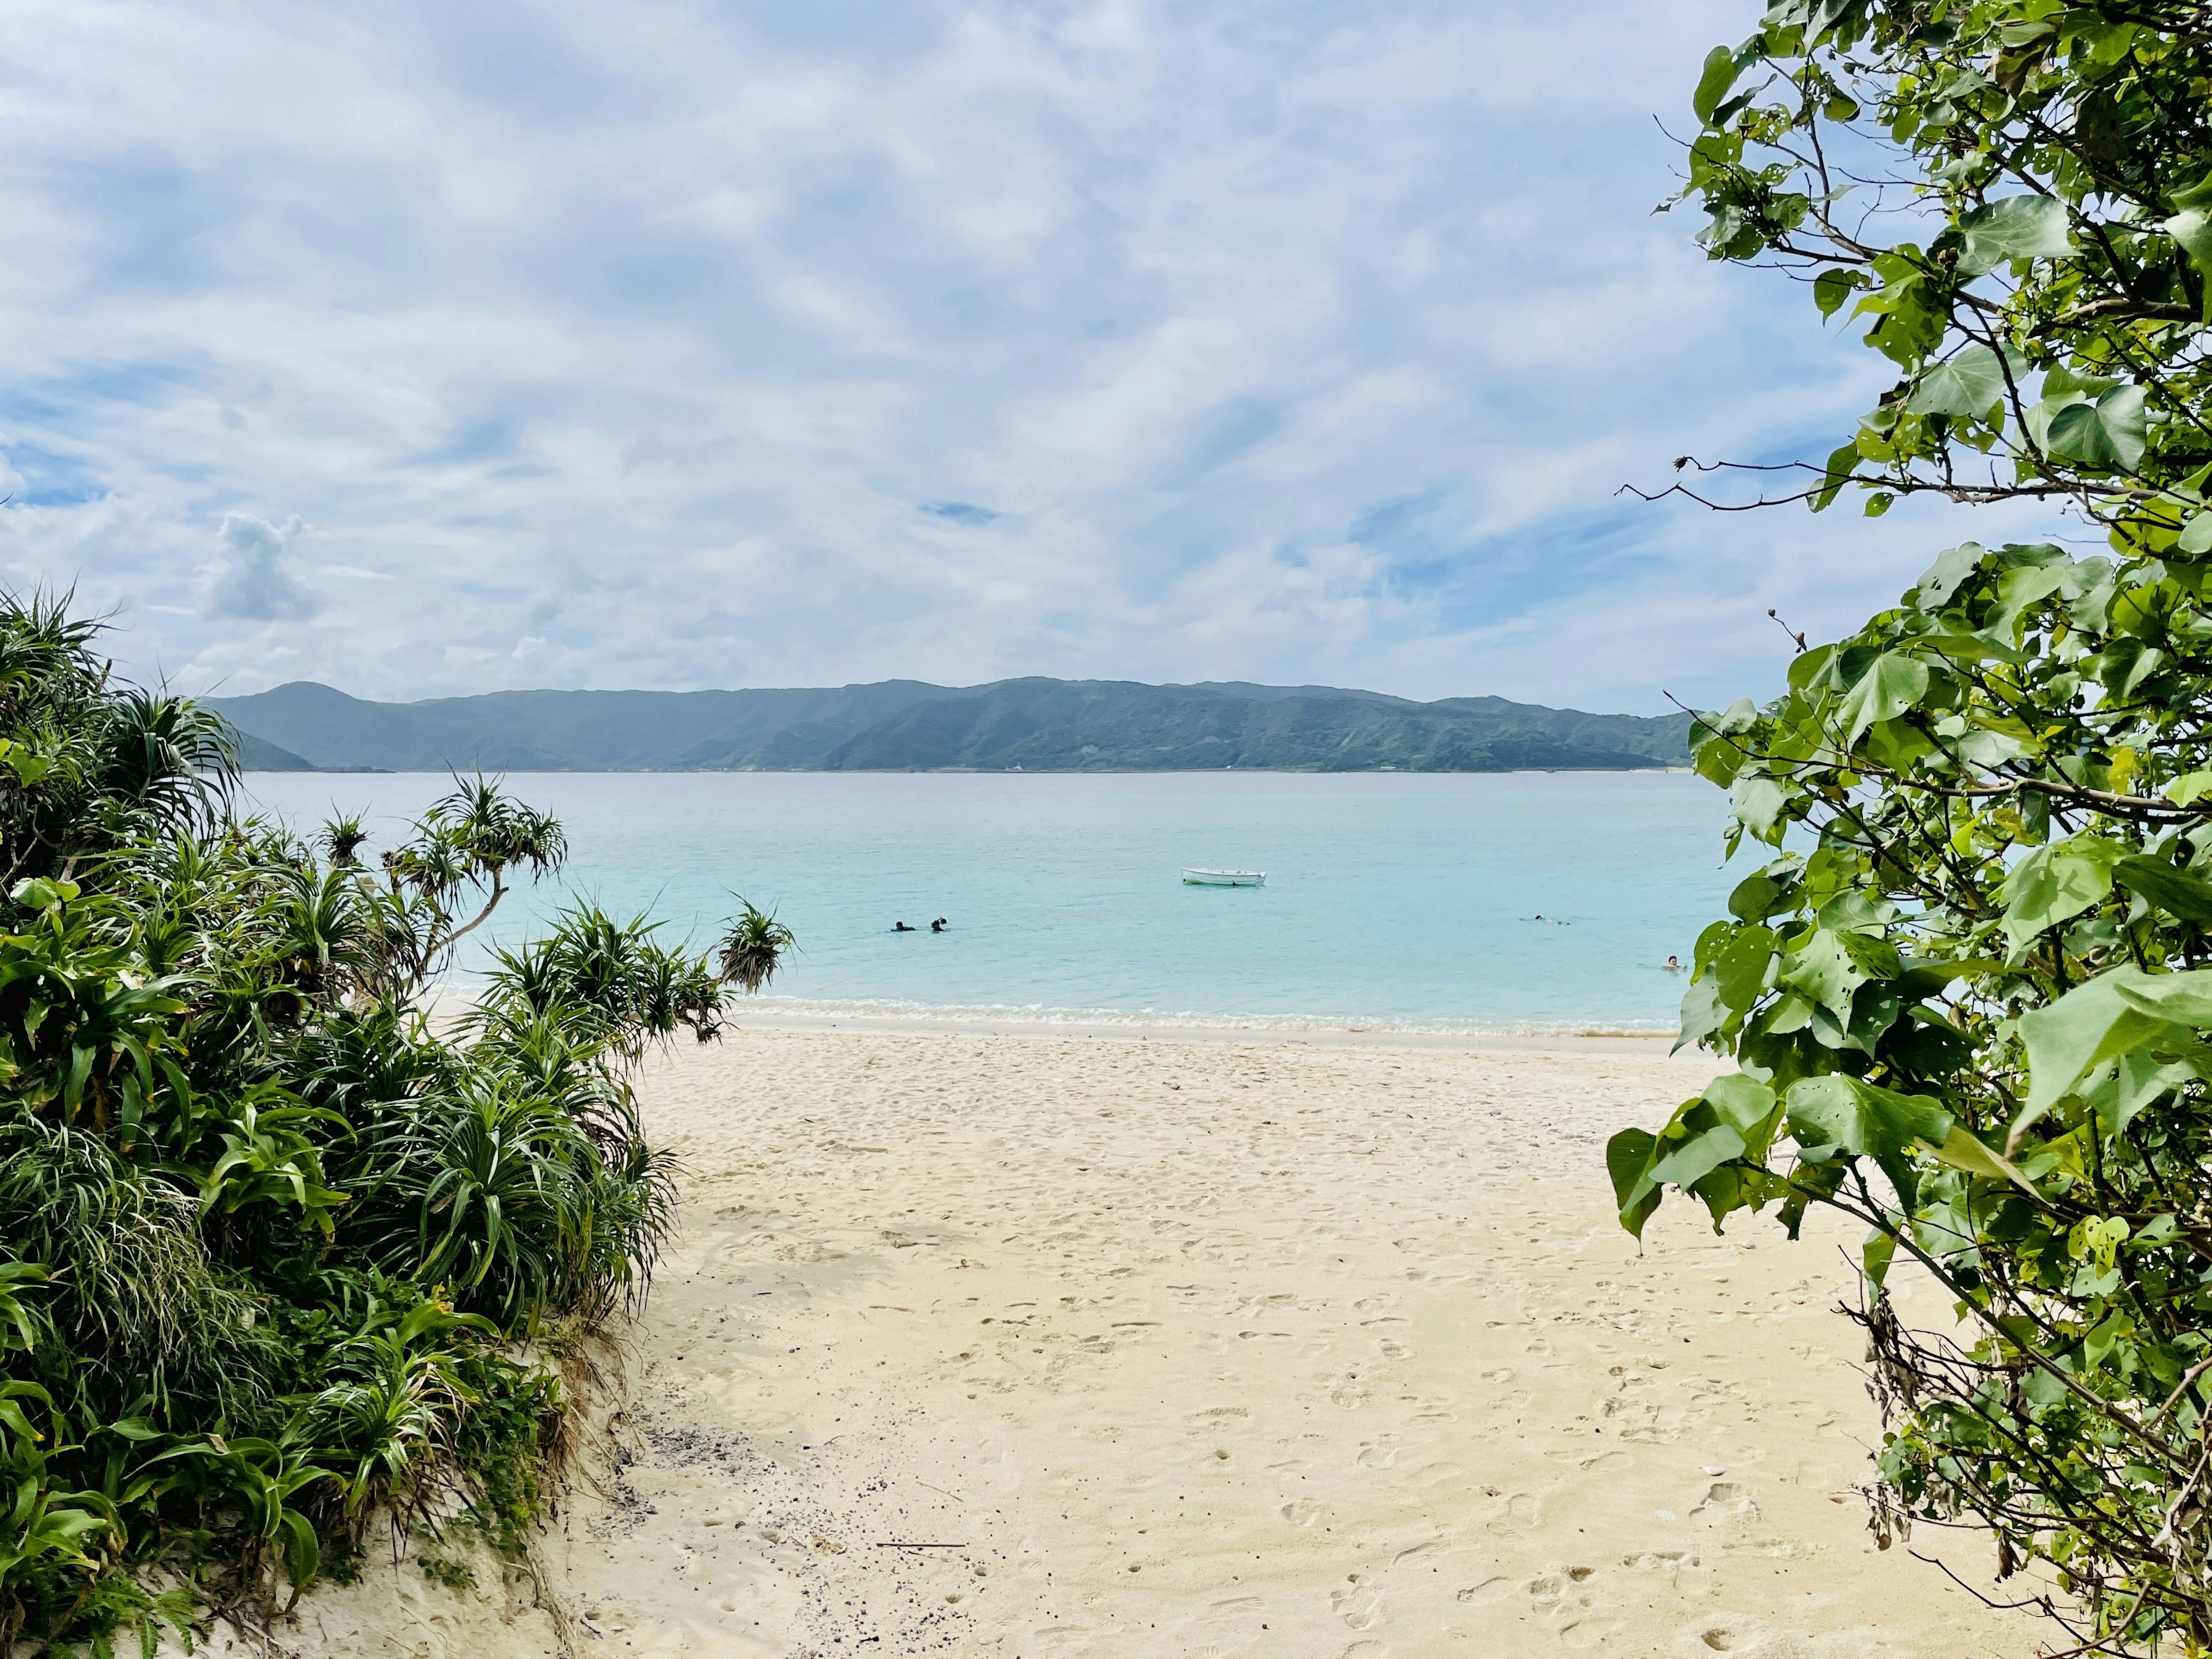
(907, 725)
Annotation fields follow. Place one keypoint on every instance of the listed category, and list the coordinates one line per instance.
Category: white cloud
(649, 346)
(249, 581)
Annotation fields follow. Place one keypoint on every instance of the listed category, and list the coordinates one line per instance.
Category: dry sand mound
(1038, 1348)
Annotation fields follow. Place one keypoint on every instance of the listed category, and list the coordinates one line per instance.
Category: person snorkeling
(901, 927)
(938, 926)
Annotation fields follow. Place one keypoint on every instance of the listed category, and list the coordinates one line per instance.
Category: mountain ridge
(1033, 724)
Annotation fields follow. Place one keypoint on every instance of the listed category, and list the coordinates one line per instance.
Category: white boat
(1225, 877)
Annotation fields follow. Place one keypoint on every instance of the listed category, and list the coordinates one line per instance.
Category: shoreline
(1319, 1034)
(1107, 1025)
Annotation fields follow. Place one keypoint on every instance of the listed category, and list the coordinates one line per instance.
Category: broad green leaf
(1703, 1014)
(1832, 287)
(2060, 382)
(1971, 383)
(2173, 889)
(1841, 462)
(2183, 998)
(1754, 897)
(1758, 802)
(1748, 1106)
(1948, 574)
(1824, 971)
(2053, 883)
(1836, 1116)
(1742, 1101)
(1628, 1163)
(2108, 435)
(1862, 915)
(1739, 975)
(1876, 1255)
(2197, 535)
(2193, 230)
(1713, 80)
(1690, 1160)
(1894, 683)
(2139, 1078)
(2017, 228)
(2097, 1021)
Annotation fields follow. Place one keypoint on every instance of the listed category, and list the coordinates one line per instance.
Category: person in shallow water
(901, 927)
(1673, 964)
(937, 927)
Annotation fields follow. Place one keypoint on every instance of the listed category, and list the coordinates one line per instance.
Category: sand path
(1193, 1350)
(1209, 1350)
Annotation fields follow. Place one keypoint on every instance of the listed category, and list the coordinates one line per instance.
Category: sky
(426, 349)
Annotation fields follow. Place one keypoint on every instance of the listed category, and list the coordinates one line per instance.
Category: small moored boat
(1225, 877)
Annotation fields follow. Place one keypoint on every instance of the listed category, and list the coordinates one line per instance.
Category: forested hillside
(1037, 724)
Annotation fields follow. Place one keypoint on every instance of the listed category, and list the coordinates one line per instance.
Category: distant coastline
(907, 725)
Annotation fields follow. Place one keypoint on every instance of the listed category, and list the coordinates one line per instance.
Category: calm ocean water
(1391, 898)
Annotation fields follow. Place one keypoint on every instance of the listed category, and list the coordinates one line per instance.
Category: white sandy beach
(1204, 1349)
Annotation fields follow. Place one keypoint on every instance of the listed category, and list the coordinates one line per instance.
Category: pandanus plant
(754, 948)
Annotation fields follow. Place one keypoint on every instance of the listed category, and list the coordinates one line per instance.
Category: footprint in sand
(1725, 1501)
(1522, 1511)
(1358, 1605)
(1216, 1417)
(1490, 1590)
(1303, 1511)
(1377, 1454)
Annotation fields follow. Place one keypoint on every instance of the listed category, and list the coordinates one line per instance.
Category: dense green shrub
(279, 1251)
(1967, 993)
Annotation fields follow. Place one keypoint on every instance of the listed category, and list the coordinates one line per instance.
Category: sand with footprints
(1041, 1347)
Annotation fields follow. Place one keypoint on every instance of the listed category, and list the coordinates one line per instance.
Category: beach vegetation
(1968, 987)
(753, 946)
(284, 1253)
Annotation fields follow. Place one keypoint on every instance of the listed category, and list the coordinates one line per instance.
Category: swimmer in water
(901, 927)
(937, 927)
(1673, 964)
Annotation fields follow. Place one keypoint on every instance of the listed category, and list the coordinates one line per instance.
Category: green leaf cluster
(2011, 201)
(1968, 988)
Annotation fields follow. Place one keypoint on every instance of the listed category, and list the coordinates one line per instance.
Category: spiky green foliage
(754, 947)
(276, 1251)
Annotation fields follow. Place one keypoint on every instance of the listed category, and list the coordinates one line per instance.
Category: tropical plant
(754, 948)
(1966, 991)
(282, 1251)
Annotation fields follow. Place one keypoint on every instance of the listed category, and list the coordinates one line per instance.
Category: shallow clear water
(1390, 897)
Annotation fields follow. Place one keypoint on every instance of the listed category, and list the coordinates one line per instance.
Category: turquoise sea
(1392, 899)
